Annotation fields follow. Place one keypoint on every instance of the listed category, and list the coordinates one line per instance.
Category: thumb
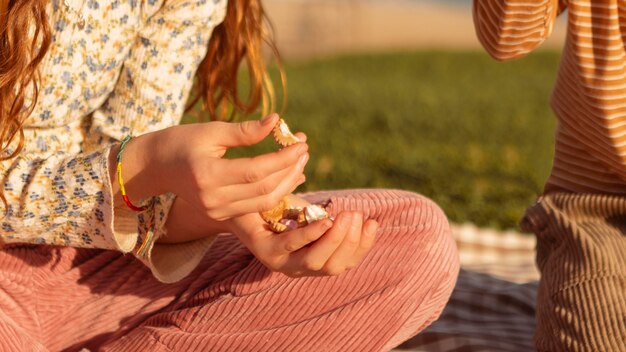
(248, 132)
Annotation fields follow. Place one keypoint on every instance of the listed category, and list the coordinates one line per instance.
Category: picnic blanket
(492, 307)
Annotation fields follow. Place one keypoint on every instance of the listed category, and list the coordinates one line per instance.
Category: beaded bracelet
(121, 180)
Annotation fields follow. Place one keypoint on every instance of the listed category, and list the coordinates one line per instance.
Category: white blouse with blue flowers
(126, 68)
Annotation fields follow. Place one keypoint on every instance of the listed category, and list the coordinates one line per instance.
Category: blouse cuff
(169, 262)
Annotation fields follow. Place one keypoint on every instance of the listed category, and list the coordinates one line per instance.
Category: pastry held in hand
(291, 212)
(282, 134)
(313, 213)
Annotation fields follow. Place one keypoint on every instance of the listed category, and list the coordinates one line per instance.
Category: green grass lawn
(473, 134)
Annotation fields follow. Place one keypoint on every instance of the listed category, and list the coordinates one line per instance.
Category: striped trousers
(66, 299)
(581, 253)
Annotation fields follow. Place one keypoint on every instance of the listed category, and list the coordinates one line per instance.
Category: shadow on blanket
(485, 313)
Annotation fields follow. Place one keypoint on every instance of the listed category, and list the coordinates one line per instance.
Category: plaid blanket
(493, 305)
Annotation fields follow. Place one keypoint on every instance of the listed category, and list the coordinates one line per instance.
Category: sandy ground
(310, 28)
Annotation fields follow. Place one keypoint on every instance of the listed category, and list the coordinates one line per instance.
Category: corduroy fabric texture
(581, 253)
(66, 298)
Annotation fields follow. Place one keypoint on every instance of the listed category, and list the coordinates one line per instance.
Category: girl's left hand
(322, 248)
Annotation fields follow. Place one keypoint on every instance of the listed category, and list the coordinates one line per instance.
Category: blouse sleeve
(150, 95)
(510, 29)
(66, 199)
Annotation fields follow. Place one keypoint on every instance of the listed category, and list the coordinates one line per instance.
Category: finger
(266, 186)
(291, 241)
(267, 202)
(251, 170)
(367, 241)
(314, 258)
(301, 136)
(343, 258)
(244, 133)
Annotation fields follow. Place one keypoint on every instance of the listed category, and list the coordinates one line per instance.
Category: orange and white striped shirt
(589, 98)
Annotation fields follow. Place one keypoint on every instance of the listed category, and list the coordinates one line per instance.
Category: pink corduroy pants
(66, 299)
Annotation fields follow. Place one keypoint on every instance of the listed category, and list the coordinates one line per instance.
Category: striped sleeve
(590, 101)
(510, 29)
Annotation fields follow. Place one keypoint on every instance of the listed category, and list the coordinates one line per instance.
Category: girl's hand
(191, 159)
(320, 249)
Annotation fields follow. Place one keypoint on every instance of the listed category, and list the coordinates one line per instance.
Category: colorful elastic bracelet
(121, 180)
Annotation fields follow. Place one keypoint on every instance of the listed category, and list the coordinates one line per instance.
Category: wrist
(161, 159)
(184, 223)
(139, 167)
(153, 176)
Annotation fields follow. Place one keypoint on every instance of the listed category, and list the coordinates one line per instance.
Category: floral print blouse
(126, 69)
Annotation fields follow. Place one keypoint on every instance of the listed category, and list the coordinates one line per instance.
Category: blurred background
(399, 94)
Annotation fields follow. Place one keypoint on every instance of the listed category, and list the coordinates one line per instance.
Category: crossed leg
(232, 302)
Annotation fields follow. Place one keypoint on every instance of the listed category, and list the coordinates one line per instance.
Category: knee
(399, 208)
(435, 248)
(423, 232)
(391, 207)
(425, 222)
(435, 260)
(414, 236)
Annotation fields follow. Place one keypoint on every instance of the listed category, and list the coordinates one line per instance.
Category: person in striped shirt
(580, 220)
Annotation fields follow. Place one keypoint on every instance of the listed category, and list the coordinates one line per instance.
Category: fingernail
(303, 159)
(268, 119)
(326, 224)
(346, 220)
(372, 229)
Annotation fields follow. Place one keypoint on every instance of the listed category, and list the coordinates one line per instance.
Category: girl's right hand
(192, 167)
(187, 161)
